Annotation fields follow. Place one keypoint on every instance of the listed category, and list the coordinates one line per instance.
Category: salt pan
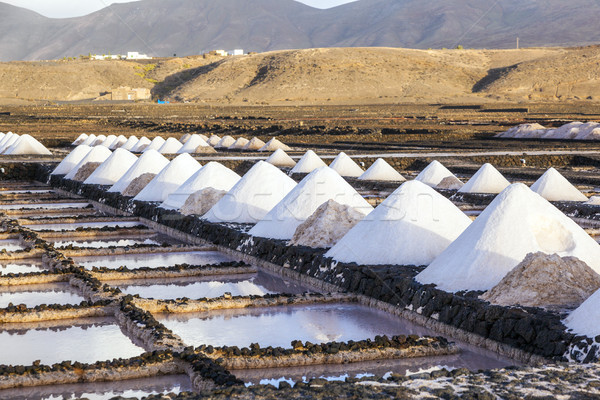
(433, 174)
(97, 154)
(308, 163)
(150, 162)
(554, 187)
(486, 180)
(112, 169)
(381, 171)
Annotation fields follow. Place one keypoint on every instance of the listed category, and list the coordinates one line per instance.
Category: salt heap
(203, 137)
(213, 175)
(381, 171)
(225, 142)
(546, 280)
(192, 144)
(71, 160)
(259, 190)
(345, 166)
(298, 205)
(141, 145)
(280, 159)
(308, 163)
(593, 201)
(138, 184)
(151, 162)
(155, 144)
(90, 140)
(112, 169)
(214, 140)
(433, 174)
(8, 141)
(516, 223)
(97, 154)
(109, 141)
(584, 320)
(554, 187)
(120, 141)
(80, 139)
(411, 227)
(26, 144)
(130, 143)
(185, 138)
(524, 131)
(487, 180)
(450, 183)
(568, 131)
(239, 144)
(273, 145)
(200, 202)
(170, 146)
(254, 144)
(169, 179)
(326, 226)
(99, 140)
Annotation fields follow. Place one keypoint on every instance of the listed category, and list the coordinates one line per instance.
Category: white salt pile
(546, 280)
(569, 131)
(273, 145)
(141, 144)
(203, 137)
(109, 141)
(213, 140)
(213, 175)
(524, 131)
(345, 166)
(112, 169)
(200, 202)
(192, 144)
(169, 179)
(381, 171)
(118, 143)
(8, 141)
(239, 144)
(572, 131)
(71, 160)
(26, 144)
(80, 139)
(411, 227)
(138, 184)
(130, 143)
(326, 226)
(155, 144)
(450, 183)
(433, 174)
(516, 223)
(90, 140)
(225, 142)
(593, 201)
(254, 144)
(185, 138)
(584, 320)
(170, 146)
(259, 190)
(554, 187)
(151, 162)
(280, 159)
(299, 204)
(97, 154)
(308, 163)
(99, 140)
(486, 180)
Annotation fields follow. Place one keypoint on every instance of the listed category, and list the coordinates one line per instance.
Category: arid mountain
(184, 27)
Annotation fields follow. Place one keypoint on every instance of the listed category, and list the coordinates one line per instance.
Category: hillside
(184, 27)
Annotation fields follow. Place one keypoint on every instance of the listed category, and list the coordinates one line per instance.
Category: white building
(236, 52)
(134, 55)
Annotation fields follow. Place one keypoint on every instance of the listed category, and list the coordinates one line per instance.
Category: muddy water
(91, 225)
(156, 260)
(35, 295)
(134, 388)
(260, 284)
(21, 267)
(30, 206)
(11, 245)
(87, 341)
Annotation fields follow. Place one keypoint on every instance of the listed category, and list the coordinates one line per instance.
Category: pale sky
(75, 8)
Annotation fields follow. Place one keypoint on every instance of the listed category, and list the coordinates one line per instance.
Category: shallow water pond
(35, 295)
(25, 191)
(11, 245)
(21, 267)
(82, 225)
(153, 260)
(110, 242)
(49, 206)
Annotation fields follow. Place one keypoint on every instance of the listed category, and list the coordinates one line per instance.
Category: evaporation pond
(85, 340)
(154, 240)
(11, 245)
(257, 284)
(32, 206)
(153, 260)
(83, 225)
(35, 295)
(33, 191)
(131, 388)
(21, 266)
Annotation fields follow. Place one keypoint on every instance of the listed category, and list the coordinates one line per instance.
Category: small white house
(221, 53)
(106, 57)
(236, 52)
(134, 55)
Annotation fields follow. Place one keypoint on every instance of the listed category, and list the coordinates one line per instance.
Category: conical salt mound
(112, 169)
(151, 162)
(381, 171)
(516, 223)
(185, 138)
(214, 140)
(97, 154)
(584, 319)
(554, 187)
(280, 159)
(128, 145)
(213, 175)
(8, 141)
(254, 144)
(170, 146)
(192, 144)
(169, 179)
(308, 163)
(411, 227)
(141, 145)
(80, 139)
(273, 145)
(345, 166)
(433, 174)
(155, 144)
(89, 141)
(120, 141)
(253, 196)
(99, 140)
(239, 144)
(26, 144)
(225, 142)
(71, 160)
(203, 137)
(315, 189)
(109, 141)
(486, 180)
